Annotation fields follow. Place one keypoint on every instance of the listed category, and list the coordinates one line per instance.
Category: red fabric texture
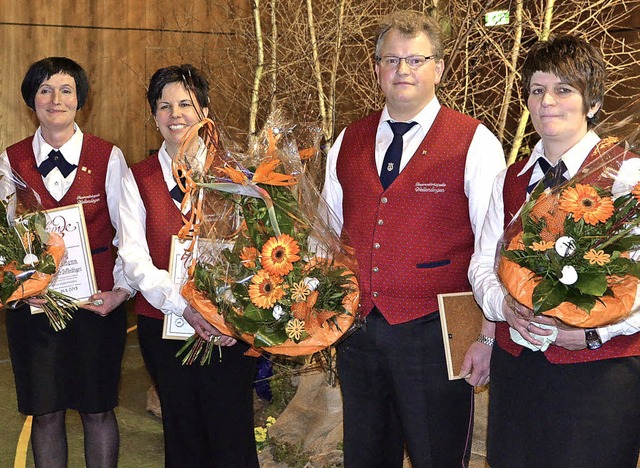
(413, 240)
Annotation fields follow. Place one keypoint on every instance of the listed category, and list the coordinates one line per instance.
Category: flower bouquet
(571, 251)
(29, 255)
(267, 267)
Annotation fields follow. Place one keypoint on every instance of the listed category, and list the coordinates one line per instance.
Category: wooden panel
(112, 40)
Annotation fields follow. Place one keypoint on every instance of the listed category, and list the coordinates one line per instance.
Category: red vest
(514, 195)
(88, 188)
(163, 221)
(414, 240)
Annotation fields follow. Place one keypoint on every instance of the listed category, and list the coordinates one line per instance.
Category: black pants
(395, 391)
(207, 411)
(563, 415)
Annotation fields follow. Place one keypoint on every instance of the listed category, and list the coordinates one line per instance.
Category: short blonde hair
(410, 24)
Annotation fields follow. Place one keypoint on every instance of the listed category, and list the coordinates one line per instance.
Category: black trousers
(563, 415)
(396, 391)
(207, 411)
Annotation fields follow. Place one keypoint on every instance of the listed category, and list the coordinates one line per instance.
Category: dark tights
(101, 440)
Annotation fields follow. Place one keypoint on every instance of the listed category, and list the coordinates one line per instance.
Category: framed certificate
(75, 277)
(461, 320)
(177, 328)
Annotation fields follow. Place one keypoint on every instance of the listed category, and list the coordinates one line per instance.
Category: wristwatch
(593, 338)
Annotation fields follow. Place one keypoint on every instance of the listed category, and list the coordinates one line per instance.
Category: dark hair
(573, 60)
(410, 24)
(44, 69)
(192, 79)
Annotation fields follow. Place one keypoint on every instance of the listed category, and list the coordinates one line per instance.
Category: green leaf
(548, 294)
(269, 338)
(592, 283)
(583, 301)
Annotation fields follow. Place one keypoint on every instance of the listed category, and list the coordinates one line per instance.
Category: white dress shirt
(155, 284)
(487, 288)
(485, 159)
(57, 185)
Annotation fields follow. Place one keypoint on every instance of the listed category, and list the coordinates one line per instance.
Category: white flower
(30, 259)
(227, 296)
(565, 246)
(569, 275)
(3, 260)
(312, 283)
(278, 311)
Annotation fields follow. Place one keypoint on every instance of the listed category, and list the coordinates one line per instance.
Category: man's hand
(475, 367)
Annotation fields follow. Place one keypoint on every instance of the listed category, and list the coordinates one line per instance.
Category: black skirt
(76, 368)
(563, 415)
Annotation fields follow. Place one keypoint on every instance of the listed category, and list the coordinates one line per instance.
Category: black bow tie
(176, 193)
(56, 159)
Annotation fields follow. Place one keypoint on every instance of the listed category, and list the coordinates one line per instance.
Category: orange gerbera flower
(583, 202)
(636, 191)
(542, 246)
(265, 290)
(279, 253)
(597, 256)
(248, 257)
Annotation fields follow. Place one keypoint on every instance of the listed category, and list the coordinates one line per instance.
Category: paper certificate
(75, 277)
(177, 328)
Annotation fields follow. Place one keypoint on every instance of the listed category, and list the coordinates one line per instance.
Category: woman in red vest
(78, 367)
(207, 411)
(575, 403)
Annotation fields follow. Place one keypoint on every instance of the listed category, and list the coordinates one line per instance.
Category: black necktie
(56, 159)
(391, 164)
(176, 193)
(553, 175)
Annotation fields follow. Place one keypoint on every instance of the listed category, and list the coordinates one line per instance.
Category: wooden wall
(120, 43)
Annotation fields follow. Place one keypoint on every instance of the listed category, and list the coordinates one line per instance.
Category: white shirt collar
(70, 150)
(573, 158)
(424, 118)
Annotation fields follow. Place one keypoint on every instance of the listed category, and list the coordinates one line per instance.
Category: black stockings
(101, 440)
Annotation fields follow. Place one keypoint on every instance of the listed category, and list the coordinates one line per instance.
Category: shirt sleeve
(485, 160)
(332, 190)
(116, 167)
(155, 284)
(484, 282)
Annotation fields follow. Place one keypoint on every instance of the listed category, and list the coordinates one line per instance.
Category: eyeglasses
(412, 61)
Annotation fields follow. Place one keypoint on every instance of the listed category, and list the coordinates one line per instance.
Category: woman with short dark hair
(207, 411)
(575, 403)
(79, 367)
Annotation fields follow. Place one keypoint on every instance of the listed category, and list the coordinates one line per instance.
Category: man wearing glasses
(410, 187)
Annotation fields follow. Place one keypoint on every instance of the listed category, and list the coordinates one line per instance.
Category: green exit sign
(496, 18)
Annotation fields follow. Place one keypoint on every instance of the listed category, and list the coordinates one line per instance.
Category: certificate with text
(75, 276)
(177, 328)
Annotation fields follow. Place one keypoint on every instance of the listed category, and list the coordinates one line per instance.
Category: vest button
(380, 222)
(376, 246)
(375, 294)
(375, 269)
(384, 200)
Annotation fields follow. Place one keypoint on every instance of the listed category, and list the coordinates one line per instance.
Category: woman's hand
(205, 330)
(571, 338)
(110, 300)
(522, 320)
